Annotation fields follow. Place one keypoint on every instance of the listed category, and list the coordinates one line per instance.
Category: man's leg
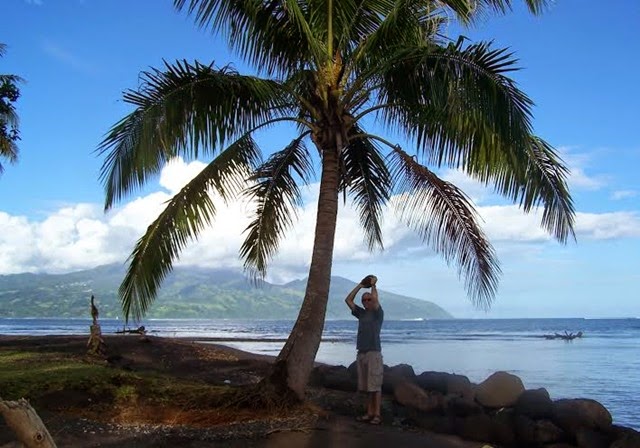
(371, 409)
(376, 399)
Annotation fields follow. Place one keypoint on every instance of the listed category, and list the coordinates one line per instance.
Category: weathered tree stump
(26, 424)
(96, 345)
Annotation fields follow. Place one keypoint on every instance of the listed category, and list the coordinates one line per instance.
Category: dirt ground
(213, 364)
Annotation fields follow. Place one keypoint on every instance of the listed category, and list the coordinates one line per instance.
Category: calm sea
(603, 365)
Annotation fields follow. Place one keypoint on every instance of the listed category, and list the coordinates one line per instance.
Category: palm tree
(327, 66)
(9, 94)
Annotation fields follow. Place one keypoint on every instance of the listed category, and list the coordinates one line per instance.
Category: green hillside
(188, 292)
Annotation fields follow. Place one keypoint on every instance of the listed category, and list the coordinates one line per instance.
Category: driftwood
(566, 336)
(139, 330)
(26, 424)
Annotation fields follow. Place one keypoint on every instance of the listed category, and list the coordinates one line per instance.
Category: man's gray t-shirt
(369, 325)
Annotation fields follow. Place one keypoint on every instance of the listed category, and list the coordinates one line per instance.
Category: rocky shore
(161, 392)
(499, 410)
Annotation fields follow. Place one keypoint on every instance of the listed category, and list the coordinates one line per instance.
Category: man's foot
(364, 418)
(376, 420)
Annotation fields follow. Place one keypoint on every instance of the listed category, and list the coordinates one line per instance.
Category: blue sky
(579, 64)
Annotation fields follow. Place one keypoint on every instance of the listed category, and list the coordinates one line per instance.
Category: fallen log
(26, 424)
(566, 336)
(139, 330)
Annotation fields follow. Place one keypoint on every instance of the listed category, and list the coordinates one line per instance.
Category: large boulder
(574, 414)
(475, 427)
(531, 432)
(460, 385)
(338, 378)
(535, 403)
(435, 381)
(627, 441)
(460, 406)
(588, 438)
(395, 374)
(500, 390)
(503, 427)
(624, 437)
(413, 396)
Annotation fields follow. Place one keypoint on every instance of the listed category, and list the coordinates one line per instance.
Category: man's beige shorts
(370, 371)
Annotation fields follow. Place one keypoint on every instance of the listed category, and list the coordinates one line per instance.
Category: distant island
(188, 292)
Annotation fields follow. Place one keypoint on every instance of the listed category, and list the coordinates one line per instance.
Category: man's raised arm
(375, 304)
(352, 295)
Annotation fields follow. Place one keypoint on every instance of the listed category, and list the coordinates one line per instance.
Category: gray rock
(475, 427)
(411, 395)
(460, 385)
(535, 403)
(394, 374)
(503, 428)
(500, 390)
(574, 414)
(624, 437)
(588, 438)
(547, 432)
(339, 378)
(436, 381)
(460, 406)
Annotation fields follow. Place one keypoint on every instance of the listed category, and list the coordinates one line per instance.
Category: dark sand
(213, 364)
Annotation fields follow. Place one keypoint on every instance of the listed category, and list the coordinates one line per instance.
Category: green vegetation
(41, 377)
(186, 293)
(9, 134)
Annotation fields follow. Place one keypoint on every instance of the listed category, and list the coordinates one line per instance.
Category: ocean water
(603, 365)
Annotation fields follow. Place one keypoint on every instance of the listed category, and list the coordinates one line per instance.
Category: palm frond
(446, 220)
(275, 36)
(368, 180)
(277, 194)
(185, 215)
(465, 113)
(9, 151)
(187, 109)
(457, 103)
(467, 11)
(546, 178)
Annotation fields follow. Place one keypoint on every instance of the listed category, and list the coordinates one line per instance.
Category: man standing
(369, 359)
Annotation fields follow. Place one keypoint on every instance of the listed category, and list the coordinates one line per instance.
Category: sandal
(364, 418)
(376, 420)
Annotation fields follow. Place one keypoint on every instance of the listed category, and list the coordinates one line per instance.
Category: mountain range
(187, 292)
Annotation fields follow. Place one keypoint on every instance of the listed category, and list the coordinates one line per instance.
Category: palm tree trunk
(295, 362)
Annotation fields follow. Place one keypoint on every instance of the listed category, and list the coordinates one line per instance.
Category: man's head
(367, 300)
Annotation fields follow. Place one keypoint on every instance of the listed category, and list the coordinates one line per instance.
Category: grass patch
(72, 384)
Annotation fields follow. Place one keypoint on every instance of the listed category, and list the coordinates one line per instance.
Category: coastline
(68, 419)
(328, 415)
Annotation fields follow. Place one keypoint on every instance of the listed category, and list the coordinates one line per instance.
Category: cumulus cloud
(605, 226)
(82, 236)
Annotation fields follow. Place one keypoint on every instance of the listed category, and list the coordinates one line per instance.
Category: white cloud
(606, 226)
(578, 177)
(624, 194)
(82, 236)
